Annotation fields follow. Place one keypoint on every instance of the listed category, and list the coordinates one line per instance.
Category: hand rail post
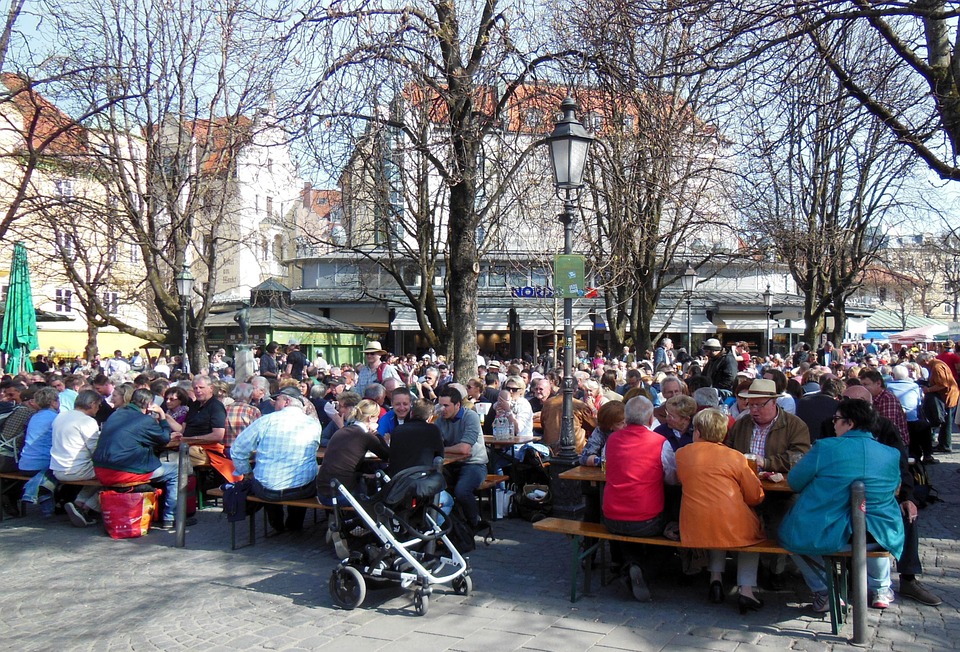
(858, 518)
(180, 519)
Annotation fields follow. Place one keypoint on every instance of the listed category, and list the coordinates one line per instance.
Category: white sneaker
(881, 599)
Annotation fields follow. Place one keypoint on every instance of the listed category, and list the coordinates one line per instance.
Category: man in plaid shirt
(885, 402)
(240, 414)
(286, 443)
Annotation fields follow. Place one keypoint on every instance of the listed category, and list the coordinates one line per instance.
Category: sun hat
(760, 388)
(374, 347)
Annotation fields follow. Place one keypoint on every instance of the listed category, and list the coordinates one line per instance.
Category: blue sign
(532, 292)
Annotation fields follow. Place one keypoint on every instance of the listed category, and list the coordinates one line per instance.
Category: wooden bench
(835, 575)
(22, 476)
(309, 503)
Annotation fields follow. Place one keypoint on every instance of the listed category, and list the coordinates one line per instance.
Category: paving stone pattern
(64, 588)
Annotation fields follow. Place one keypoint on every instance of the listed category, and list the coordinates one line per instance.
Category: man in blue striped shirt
(286, 443)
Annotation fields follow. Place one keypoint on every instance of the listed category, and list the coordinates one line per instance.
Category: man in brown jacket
(770, 433)
(551, 418)
(774, 436)
(942, 383)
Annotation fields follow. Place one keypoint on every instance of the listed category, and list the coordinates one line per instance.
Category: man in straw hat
(770, 433)
(777, 439)
(374, 369)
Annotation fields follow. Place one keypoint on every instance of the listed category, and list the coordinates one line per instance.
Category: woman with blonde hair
(719, 489)
(678, 429)
(346, 451)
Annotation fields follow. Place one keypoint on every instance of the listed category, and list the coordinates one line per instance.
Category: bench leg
(834, 575)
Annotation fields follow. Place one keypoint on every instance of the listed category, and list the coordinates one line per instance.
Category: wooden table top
(513, 441)
(597, 474)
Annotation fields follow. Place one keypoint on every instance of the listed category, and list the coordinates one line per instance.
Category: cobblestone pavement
(72, 589)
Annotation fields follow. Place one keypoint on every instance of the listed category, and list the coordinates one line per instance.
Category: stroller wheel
(421, 602)
(463, 585)
(347, 587)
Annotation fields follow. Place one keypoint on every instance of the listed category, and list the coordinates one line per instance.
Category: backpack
(461, 533)
(534, 498)
(924, 493)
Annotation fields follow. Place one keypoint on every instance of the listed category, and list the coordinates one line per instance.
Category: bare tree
(826, 181)
(659, 168)
(180, 82)
(461, 63)
(918, 37)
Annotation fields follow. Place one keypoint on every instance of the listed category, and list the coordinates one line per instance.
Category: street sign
(568, 276)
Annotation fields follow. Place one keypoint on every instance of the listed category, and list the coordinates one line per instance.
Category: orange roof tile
(47, 127)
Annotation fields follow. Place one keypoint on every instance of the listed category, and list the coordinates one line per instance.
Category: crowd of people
(673, 430)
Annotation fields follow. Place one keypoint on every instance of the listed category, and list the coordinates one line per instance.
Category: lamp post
(184, 280)
(569, 144)
(689, 281)
(768, 302)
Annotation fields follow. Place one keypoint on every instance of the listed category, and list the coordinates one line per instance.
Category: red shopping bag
(127, 515)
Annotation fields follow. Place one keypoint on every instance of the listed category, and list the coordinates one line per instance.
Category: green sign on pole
(568, 276)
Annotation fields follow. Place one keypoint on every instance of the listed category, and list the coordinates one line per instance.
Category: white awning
(748, 324)
(543, 318)
(498, 319)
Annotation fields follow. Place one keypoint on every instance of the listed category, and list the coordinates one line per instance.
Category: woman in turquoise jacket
(819, 521)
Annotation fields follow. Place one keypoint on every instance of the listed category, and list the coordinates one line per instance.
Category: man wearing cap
(721, 366)
(943, 386)
(770, 433)
(374, 369)
(286, 443)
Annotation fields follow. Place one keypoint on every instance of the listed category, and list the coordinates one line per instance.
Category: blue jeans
(169, 475)
(467, 479)
(878, 573)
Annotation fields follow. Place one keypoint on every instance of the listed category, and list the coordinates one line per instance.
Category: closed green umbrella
(20, 318)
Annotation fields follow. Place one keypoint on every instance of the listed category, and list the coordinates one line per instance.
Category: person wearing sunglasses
(512, 405)
(819, 522)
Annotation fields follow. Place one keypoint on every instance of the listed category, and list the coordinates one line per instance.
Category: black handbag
(935, 409)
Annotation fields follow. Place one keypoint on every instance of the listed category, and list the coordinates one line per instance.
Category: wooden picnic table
(504, 443)
(597, 475)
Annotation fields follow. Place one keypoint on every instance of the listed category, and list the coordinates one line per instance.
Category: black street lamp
(768, 302)
(184, 280)
(569, 144)
(689, 281)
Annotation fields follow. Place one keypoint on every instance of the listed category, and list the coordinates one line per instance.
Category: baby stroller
(396, 536)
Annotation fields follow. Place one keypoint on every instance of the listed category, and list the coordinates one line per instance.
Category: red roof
(47, 127)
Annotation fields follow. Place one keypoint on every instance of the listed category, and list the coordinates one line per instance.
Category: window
(531, 118)
(278, 247)
(134, 253)
(3, 293)
(64, 299)
(111, 302)
(538, 277)
(64, 188)
(112, 252)
(269, 206)
(516, 278)
(497, 277)
(882, 294)
(66, 246)
(627, 122)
